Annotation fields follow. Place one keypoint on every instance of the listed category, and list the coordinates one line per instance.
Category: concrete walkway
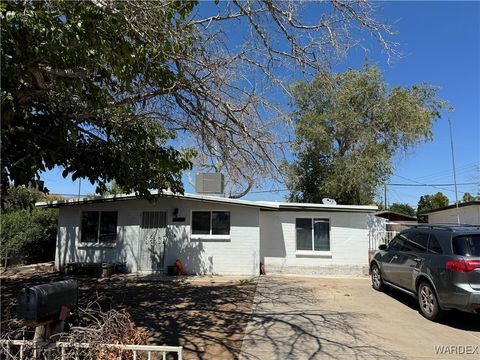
(331, 318)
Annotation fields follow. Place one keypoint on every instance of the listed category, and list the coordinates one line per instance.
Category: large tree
(430, 202)
(469, 197)
(349, 126)
(403, 208)
(102, 88)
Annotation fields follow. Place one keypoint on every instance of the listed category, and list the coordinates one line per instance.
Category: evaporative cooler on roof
(209, 183)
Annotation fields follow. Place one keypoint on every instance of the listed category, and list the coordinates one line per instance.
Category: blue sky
(440, 42)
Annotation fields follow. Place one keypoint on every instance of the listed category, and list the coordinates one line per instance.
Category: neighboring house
(395, 221)
(394, 216)
(467, 213)
(213, 235)
(384, 225)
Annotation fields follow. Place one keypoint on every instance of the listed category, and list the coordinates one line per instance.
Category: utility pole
(79, 187)
(454, 172)
(385, 195)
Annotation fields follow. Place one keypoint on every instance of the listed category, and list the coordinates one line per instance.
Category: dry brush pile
(92, 326)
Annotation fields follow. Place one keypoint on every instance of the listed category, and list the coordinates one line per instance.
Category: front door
(152, 241)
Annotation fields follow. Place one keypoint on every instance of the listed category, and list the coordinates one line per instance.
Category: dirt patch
(208, 318)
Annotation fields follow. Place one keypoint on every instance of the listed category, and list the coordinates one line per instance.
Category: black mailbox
(41, 301)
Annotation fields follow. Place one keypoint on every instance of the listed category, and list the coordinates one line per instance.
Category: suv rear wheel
(377, 281)
(427, 299)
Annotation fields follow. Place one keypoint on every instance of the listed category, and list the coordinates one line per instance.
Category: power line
(397, 184)
(467, 167)
(388, 184)
(417, 184)
(431, 185)
(268, 191)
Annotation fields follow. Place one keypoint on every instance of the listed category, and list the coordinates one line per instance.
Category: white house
(466, 213)
(213, 235)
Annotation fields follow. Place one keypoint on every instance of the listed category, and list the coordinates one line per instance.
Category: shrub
(29, 236)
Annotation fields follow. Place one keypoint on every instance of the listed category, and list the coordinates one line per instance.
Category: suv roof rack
(446, 226)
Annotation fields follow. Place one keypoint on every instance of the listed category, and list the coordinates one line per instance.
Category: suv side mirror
(382, 247)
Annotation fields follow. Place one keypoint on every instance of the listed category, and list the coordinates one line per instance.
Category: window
(466, 245)
(220, 223)
(434, 246)
(397, 243)
(210, 223)
(99, 227)
(313, 234)
(416, 242)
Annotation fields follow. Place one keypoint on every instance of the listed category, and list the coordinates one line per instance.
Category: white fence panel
(28, 349)
(377, 238)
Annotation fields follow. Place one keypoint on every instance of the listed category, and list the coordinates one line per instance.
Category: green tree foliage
(111, 189)
(20, 198)
(28, 234)
(430, 202)
(403, 208)
(72, 79)
(102, 88)
(349, 126)
(469, 197)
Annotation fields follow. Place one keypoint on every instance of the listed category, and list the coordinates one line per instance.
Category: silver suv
(437, 264)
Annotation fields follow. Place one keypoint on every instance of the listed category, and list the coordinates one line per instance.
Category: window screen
(304, 234)
(99, 226)
(313, 234)
(220, 223)
(89, 226)
(108, 226)
(201, 222)
(321, 235)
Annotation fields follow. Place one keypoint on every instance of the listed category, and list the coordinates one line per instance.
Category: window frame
(97, 243)
(313, 252)
(210, 235)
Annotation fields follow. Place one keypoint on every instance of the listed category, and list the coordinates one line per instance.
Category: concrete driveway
(319, 318)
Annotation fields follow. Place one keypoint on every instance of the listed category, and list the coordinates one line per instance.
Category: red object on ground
(181, 269)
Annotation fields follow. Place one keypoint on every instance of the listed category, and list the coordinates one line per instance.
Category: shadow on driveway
(454, 318)
(290, 322)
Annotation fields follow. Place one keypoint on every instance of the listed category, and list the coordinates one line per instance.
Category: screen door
(152, 240)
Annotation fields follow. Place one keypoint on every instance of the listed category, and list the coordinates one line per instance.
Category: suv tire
(428, 302)
(377, 280)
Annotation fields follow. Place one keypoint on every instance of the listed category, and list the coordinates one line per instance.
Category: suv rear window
(466, 245)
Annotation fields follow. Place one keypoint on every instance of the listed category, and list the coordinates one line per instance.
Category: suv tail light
(463, 265)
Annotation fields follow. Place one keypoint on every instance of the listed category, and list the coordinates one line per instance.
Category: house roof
(286, 206)
(462, 204)
(394, 216)
(263, 205)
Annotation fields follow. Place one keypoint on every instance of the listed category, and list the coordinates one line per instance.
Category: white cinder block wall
(348, 244)
(235, 254)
